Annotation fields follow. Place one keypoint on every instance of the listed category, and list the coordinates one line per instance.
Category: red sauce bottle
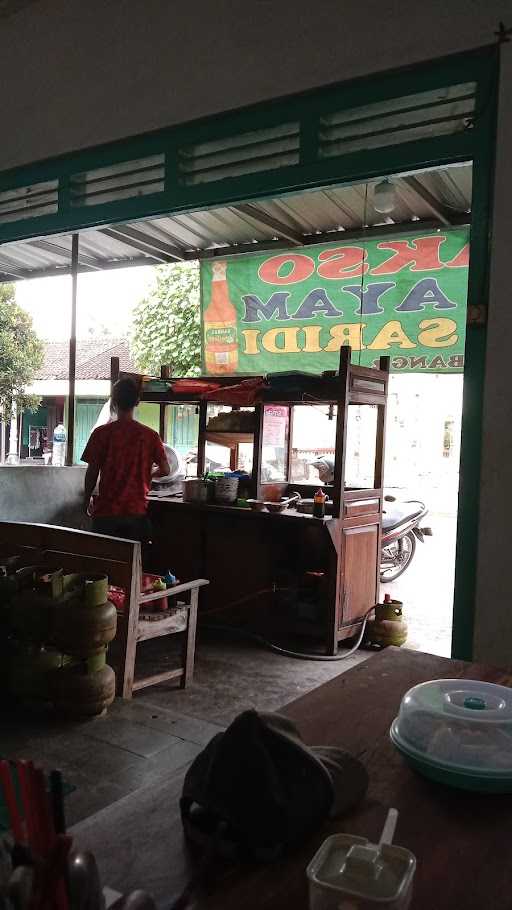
(319, 504)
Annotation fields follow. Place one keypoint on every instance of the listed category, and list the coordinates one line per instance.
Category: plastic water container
(226, 489)
(59, 445)
(458, 732)
(351, 873)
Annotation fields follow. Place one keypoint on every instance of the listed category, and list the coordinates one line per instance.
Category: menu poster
(275, 426)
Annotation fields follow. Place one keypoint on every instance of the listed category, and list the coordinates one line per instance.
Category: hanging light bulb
(384, 197)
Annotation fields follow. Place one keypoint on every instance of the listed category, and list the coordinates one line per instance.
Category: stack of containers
(58, 630)
(28, 596)
(84, 622)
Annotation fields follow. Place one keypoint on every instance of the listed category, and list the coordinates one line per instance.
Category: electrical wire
(363, 259)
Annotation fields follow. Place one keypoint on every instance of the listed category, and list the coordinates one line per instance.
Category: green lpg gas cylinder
(389, 626)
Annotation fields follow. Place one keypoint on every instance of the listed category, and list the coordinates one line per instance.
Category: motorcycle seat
(397, 513)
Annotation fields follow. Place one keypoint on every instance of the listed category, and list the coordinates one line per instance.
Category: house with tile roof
(92, 363)
(92, 390)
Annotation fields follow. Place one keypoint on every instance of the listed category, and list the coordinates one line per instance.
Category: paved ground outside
(426, 587)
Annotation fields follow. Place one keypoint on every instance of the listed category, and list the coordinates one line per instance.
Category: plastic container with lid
(351, 873)
(458, 732)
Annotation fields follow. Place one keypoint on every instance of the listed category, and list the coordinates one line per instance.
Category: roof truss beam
(433, 205)
(357, 234)
(261, 217)
(8, 272)
(11, 269)
(144, 243)
(58, 250)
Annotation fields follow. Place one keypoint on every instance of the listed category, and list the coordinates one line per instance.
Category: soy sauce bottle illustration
(220, 326)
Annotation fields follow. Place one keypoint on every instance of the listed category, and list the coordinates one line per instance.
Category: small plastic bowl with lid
(458, 732)
(351, 873)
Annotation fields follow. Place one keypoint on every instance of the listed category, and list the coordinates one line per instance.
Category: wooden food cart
(317, 576)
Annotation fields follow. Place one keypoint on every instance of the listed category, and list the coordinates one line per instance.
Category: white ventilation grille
(29, 201)
(424, 115)
(241, 155)
(127, 180)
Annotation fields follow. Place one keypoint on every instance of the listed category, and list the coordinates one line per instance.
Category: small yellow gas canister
(389, 626)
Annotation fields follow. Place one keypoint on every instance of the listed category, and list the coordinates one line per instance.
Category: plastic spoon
(365, 860)
(388, 831)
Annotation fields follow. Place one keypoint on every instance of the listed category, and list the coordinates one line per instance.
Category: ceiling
(436, 198)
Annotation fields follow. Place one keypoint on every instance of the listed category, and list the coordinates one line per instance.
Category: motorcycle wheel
(401, 551)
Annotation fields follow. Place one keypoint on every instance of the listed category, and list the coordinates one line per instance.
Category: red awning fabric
(246, 393)
(194, 387)
(242, 393)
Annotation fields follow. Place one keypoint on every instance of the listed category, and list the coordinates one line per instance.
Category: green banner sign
(403, 297)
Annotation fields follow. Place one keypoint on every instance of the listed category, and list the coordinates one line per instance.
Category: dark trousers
(131, 527)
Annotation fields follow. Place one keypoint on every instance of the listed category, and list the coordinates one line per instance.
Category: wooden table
(461, 840)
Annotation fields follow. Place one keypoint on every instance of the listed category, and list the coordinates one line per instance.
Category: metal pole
(20, 432)
(12, 457)
(72, 351)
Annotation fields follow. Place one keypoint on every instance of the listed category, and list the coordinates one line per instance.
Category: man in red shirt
(123, 453)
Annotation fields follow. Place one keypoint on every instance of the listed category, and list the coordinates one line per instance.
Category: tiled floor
(106, 757)
(149, 739)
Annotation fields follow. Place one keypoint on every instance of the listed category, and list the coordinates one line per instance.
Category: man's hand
(162, 469)
(91, 476)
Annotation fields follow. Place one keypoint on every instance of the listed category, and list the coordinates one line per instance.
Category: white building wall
(84, 388)
(106, 69)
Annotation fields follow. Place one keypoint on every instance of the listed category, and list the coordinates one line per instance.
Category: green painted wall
(37, 419)
(86, 414)
(149, 415)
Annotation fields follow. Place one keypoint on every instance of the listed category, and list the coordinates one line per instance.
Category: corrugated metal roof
(439, 197)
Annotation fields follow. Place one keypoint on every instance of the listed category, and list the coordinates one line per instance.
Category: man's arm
(94, 456)
(163, 467)
(91, 477)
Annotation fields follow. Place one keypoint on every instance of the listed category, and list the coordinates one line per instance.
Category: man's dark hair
(125, 395)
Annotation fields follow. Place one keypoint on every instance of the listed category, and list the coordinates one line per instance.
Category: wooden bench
(81, 551)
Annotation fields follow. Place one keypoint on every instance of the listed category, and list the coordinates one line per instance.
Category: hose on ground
(286, 652)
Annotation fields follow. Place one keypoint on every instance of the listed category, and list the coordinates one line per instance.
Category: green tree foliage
(166, 326)
(21, 353)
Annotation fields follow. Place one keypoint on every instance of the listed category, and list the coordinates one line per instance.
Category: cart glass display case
(321, 574)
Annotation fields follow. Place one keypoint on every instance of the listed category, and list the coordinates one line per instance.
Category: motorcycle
(400, 531)
(400, 526)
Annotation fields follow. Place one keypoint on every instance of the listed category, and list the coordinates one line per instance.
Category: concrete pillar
(13, 457)
(493, 616)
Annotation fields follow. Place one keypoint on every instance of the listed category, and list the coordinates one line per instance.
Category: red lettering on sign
(343, 262)
(461, 260)
(299, 268)
(422, 255)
